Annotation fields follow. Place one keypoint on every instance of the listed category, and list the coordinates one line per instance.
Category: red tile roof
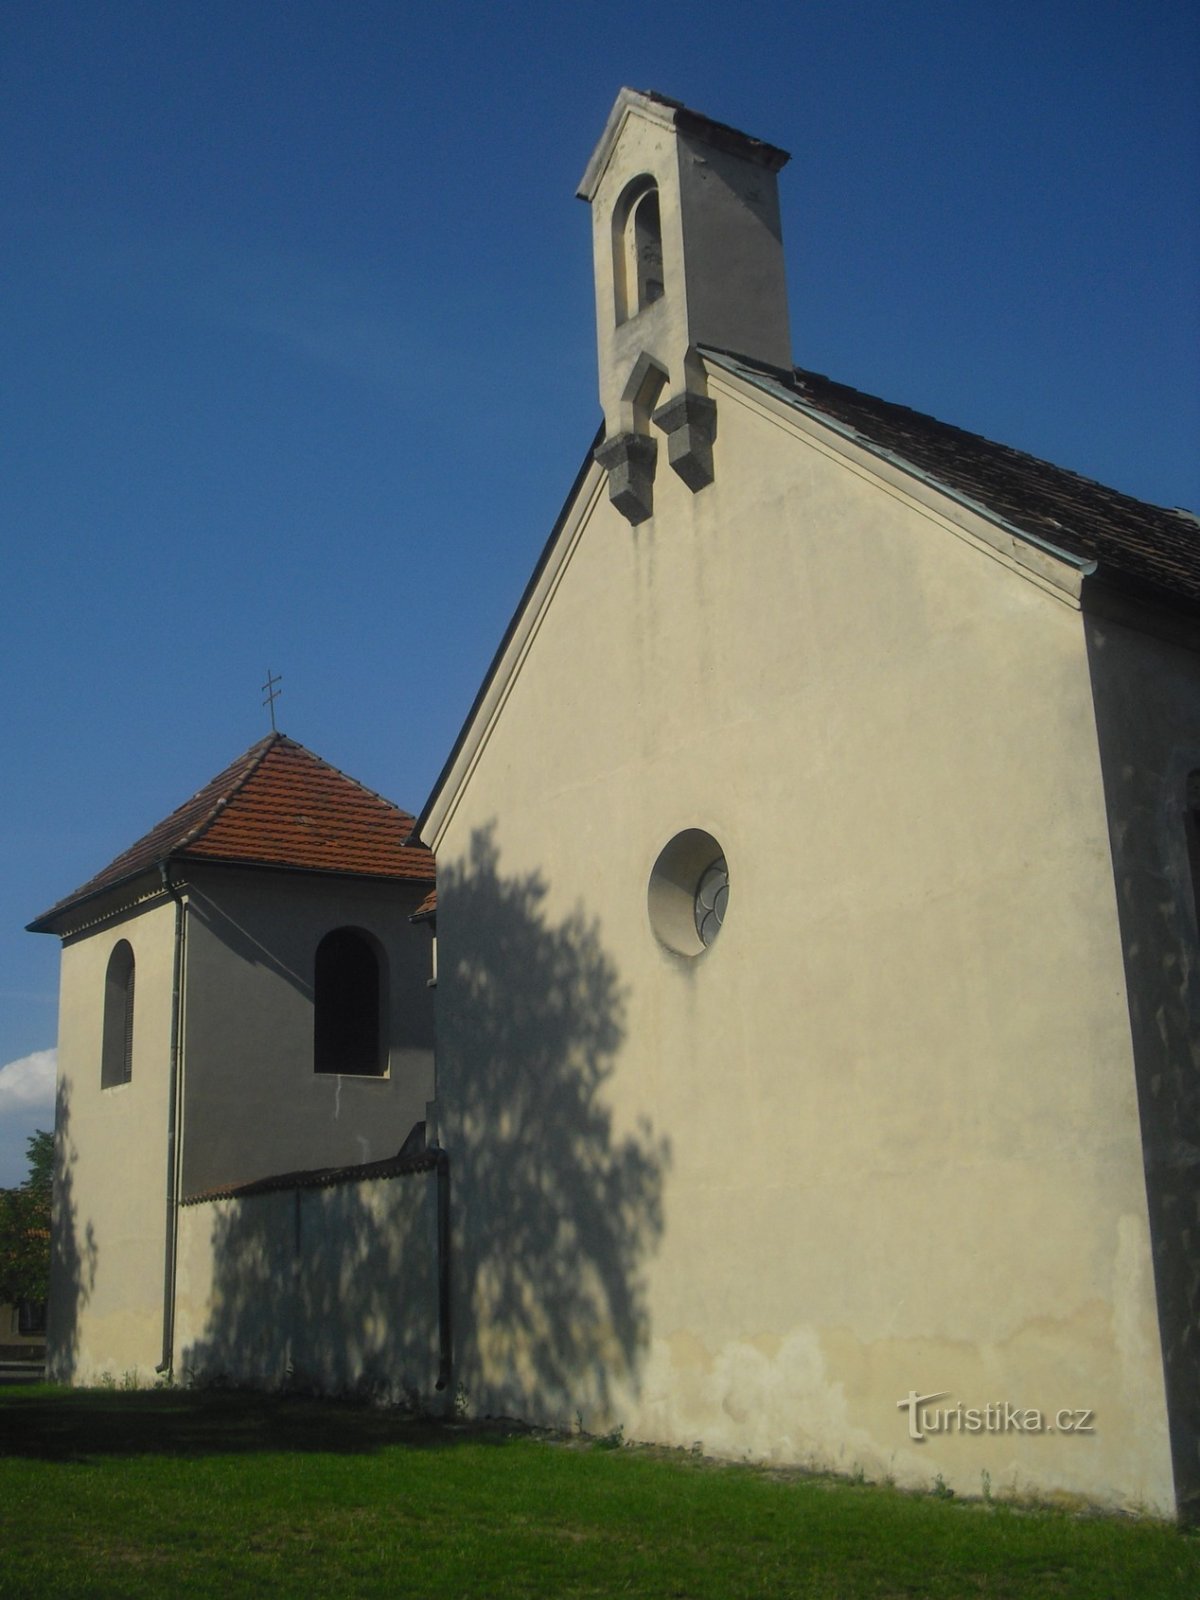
(277, 805)
(427, 908)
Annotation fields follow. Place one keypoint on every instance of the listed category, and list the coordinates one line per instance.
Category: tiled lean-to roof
(278, 805)
(427, 908)
(398, 1166)
(1148, 549)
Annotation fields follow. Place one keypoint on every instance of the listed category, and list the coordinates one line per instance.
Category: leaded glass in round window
(688, 892)
(712, 896)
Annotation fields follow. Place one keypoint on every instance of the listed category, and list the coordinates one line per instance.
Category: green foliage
(25, 1226)
(39, 1152)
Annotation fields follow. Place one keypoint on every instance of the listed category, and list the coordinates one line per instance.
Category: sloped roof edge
(1149, 551)
(278, 805)
(761, 379)
(670, 113)
(398, 1166)
(786, 386)
(527, 594)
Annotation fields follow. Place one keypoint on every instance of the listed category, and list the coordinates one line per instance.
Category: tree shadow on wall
(73, 1250)
(326, 1289)
(335, 1288)
(555, 1206)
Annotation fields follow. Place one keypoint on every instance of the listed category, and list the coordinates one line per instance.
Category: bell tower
(687, 251)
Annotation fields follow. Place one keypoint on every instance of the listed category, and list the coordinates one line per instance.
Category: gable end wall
(883, 1136)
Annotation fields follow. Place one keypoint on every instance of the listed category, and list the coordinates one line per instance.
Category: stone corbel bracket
(629, 460)
(690, 424)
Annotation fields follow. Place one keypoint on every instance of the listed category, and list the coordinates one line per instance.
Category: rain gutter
(445, 1343)
(171, 1244)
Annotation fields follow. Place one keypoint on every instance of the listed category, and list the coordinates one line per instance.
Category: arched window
(646, 226)
(116, 1057)
(349, 995)
(637, 249)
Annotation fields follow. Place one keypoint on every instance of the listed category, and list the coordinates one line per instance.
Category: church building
(836, 782)
(243, 994)
(818, 987)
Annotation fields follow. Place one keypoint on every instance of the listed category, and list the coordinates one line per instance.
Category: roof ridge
(272, 742)
(299, 812)
(222, 801)
(329, 767)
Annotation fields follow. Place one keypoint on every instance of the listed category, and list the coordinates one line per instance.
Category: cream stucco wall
(105, 1306)
(883, 1136)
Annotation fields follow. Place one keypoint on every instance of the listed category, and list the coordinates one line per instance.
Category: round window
(688, 892)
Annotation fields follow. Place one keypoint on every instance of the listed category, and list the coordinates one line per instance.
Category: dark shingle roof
(1149, 549)
(278, 805)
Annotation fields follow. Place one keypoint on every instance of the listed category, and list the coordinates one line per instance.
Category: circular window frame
(675, 881)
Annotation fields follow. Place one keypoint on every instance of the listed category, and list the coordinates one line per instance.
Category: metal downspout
(445, 1348)
(171, 1247)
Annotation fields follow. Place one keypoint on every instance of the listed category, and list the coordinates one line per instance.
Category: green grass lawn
(182, 1493)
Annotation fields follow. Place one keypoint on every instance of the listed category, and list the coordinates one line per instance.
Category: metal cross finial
(271, 694)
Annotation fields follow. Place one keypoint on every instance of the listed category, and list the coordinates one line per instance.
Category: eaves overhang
(668, 113)
(117, 899)
(74, 916)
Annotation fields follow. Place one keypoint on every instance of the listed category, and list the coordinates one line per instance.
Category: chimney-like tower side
(688, 251)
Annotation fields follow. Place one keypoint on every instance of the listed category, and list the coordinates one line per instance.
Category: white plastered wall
(890, 1118)
(105, 1308)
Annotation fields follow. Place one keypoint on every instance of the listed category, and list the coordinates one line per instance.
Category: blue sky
(298, 348)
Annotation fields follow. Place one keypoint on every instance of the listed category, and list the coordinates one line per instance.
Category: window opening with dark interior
(31, 1317)
(638, 277)
(648, 251)
(348, 1001)
(116, 1051)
